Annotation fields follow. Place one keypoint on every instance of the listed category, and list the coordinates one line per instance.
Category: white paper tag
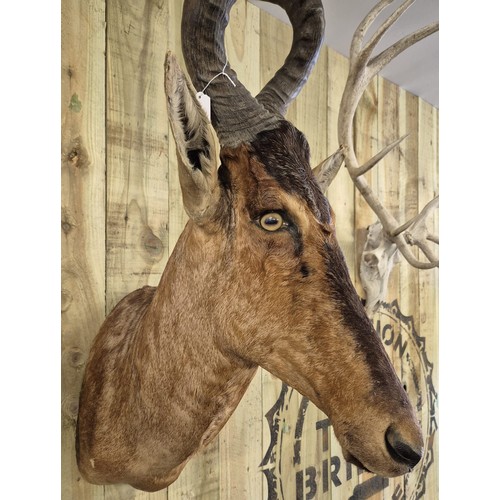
(204, 100)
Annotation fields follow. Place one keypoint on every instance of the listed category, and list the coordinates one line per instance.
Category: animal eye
(272, 221)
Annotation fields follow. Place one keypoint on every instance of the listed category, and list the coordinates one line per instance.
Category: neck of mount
(192, 383)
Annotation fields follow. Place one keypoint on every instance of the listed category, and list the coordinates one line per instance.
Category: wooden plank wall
(122, 214)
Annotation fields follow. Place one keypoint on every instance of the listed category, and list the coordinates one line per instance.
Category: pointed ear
(196, 143)
(326, 171)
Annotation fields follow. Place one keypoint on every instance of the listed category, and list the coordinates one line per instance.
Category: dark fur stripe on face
(354, 316)
(284, 152)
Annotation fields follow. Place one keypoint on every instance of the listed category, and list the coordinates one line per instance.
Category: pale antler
(363, 68)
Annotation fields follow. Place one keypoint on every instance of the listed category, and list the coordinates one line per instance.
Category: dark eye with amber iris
(272, 221)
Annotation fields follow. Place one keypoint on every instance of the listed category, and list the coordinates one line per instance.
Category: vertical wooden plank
(200, 478)
(270, 389)
(242, 42)
(137, 197)
(309, 110)
(83, 209)
(413, 373)
(429, 279)
(408, 197)
(309, 113)
(137, 189)
(240, 447)
(341, 191)
(341, 196)
(240, 441)
(388, 170)
(388, 175)
(366, 145)
(126, 492)
(275, 42)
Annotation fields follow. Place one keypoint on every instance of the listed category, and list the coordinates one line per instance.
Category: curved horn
(308, 24)
(236, 115)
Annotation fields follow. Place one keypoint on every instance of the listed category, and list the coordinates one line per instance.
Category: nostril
(400, 450)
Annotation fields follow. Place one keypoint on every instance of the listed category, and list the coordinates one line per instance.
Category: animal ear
(196, 143)
(326, 171)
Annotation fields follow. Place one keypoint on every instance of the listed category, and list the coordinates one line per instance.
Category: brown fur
(170, 365)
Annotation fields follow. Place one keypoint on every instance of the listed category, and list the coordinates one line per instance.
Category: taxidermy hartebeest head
(257, 278)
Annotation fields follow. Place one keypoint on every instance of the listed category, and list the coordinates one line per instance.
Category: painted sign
(304, 460)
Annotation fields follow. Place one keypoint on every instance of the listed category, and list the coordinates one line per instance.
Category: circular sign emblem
(304, 460)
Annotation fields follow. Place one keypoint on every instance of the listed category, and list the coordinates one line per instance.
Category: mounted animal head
(266, 266)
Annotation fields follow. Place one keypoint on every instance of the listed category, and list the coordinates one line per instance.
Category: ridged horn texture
(308, 22)
(236, 115)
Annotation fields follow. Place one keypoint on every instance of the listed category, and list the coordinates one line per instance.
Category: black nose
(400, 450)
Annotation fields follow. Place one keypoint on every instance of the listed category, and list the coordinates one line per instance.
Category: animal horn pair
(236, 115)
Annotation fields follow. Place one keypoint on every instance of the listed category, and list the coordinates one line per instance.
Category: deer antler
(363, 68)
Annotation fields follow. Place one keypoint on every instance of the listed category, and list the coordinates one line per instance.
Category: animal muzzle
(396, 453)
(406, 452)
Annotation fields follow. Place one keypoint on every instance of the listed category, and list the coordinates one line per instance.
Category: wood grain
(137, 153)
(341, 191)
(366, 145)
(408, 297)
(408, 195)
(428, 180)
(82, 214)
(388, 176)
(341, 195)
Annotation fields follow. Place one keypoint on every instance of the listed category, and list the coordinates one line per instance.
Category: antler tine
(434, 238)
(384, 27)
(375, 159)
(424, 213)
(359, 34)
(385, 57)
(363, 68)
(410, 258)
(416, 231)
